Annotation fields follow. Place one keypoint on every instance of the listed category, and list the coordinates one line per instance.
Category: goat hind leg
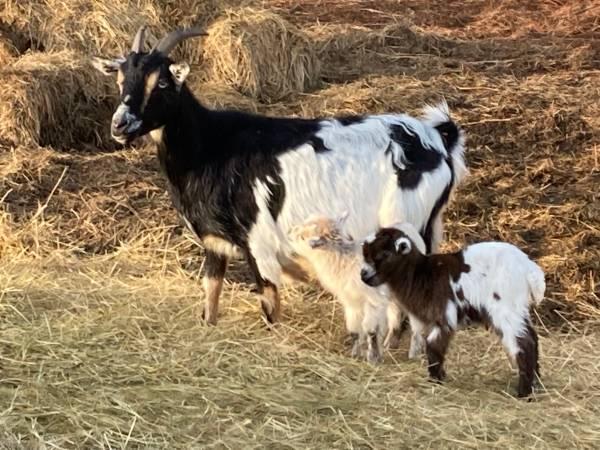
(268, 291)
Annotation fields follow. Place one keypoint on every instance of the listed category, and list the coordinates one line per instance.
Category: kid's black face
(377, 252)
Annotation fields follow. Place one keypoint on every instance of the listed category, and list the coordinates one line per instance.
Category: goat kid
(491, 283)
(337, 261)
(242, 181)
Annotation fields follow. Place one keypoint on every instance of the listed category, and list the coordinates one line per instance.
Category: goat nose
(120, 123)
(363, 274)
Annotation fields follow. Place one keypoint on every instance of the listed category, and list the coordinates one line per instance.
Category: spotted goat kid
(336, 258)
(490, 283)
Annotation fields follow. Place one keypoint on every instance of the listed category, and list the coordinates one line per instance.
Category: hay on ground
(260, 54)
(349, 52)
(55, 99)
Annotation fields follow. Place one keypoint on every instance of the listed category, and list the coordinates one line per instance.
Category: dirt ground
(101, 343)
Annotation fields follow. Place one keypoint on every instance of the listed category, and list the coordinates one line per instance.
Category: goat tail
(438, 117)
(537, 283)
(453, 137)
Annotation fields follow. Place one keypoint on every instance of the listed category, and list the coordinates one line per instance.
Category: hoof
(374, 358)
(209, 321)
(438, 376)
(356, 351)
(271, 316)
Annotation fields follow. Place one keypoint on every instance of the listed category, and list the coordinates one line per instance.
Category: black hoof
(270, 315)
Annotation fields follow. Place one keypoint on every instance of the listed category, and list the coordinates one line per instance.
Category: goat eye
(163, 84)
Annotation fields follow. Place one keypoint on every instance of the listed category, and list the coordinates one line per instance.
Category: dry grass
(101, 345)
(55, 99)
(98, 353)
(260, 54)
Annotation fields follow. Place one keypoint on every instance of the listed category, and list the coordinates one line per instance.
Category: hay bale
(55, 99)
(8, 52)
(89, 26)
(219, 96)
(260, 54)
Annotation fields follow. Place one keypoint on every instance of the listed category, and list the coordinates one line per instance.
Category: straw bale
(89, 26)
(55, 99)
(8, 51)
(220, 96)
(260, 54)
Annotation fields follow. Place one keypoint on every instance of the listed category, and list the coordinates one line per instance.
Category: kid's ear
(403, 245)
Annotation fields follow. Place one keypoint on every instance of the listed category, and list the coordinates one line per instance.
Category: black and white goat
(241, 181)
(492, 283)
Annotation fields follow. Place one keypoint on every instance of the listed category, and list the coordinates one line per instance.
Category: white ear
(403, 245)
(107, 66)
(180, 72)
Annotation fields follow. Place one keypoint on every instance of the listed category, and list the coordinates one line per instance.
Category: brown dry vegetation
(101, 345)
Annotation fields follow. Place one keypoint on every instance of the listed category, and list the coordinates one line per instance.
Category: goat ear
(180, 72)
(402, 245)
(107, 66)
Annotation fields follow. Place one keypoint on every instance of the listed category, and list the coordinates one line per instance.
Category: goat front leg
(215, 266)
(375, 316)
(397, 324)
(354, 318)
(437, 345)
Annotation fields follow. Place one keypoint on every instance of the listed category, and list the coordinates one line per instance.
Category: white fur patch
(221, 246)
(157, 135)
(504, 293)
(370, 238)
(452, 315)
(367, 270)
(434, 334)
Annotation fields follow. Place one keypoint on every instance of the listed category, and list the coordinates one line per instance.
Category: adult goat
(241, 181)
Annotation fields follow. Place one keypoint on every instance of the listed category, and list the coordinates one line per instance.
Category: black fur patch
(418, 158)
(318, 144)
(277, 196)
(427, 232)
(215, 265)
(449, 133)
(350, 120)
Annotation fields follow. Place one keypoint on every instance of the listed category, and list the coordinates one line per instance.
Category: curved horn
(168, 43)
(138, 41)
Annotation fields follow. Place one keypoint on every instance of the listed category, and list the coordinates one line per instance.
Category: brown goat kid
(490, 283)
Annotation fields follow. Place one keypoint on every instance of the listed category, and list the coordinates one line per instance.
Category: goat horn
(168, 43)
(138, 41)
